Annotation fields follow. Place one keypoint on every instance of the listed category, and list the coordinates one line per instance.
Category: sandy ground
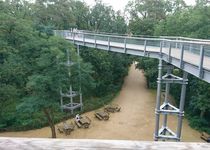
(136, 121)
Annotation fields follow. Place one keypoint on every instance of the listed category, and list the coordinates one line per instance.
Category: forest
(30, 56)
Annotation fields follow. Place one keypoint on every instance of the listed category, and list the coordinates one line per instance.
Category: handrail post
(108, 43)
(181, 56)
(201, 62)
(84, 39)
(73, 37)
(95, 40)
(161, 49)
(145, 47)
(169, 53)
(125, 45)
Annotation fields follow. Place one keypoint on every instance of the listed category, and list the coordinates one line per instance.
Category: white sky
(120, 4)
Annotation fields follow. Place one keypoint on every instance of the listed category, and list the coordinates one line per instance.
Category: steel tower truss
(70, 94)
(165, 133)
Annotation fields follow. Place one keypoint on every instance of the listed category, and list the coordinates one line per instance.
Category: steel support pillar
(166, 100)
(80, 88)
(164, 133)
(181, 107)
(158, 98)
(71, 99)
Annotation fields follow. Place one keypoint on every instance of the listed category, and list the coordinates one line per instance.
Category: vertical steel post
(83, 38)
(80, 89)
(73, 36)
(71, 99)
(81, 104)
(95, 40)
(181, 56)
(125, 43)
(161, 49)
(108, 44)
(169, 52)
(181, 105)
(158, 98)
(61, 100)
(201, 62)
(166, 100)
(145, 47)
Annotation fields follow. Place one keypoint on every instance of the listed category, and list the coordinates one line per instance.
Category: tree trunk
(50, 121)
(202, 113)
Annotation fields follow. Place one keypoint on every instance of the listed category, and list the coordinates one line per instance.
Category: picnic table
(66, 128)
(101, 115)
(83, 122)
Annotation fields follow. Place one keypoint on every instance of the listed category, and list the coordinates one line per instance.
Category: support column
(61, 101)
(80, 86)
(165, 116)
(181, 106)
(158, 98)
(71, 99)
(165, 133)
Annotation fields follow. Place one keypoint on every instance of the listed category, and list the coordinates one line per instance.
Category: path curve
(136, 121)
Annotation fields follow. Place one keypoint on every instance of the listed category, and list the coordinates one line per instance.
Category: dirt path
(134, 122)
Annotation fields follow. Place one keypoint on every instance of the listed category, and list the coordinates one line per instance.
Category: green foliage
(109, 70)
(145, 14)
(199, 123)
(192, 22)
(103, 18)
(150, 70)
(31, 70)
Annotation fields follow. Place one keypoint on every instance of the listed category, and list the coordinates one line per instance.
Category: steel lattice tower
(165, 133)
(71, 94)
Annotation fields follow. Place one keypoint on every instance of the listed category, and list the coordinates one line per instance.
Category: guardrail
(188, 44)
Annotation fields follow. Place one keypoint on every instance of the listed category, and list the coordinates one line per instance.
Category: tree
(30, 71)
(201, 98)
(82, 14)
(145, 14)
(101, 17)
(109, 70)
(118, 25)
(192, 22)
(56, 13)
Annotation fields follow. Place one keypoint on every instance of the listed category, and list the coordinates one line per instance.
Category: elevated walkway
(190, 55)
(88, 144)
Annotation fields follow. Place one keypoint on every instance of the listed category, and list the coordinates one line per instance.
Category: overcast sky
(120, 4)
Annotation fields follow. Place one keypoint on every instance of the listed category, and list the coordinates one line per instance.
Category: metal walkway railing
(188, 54)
